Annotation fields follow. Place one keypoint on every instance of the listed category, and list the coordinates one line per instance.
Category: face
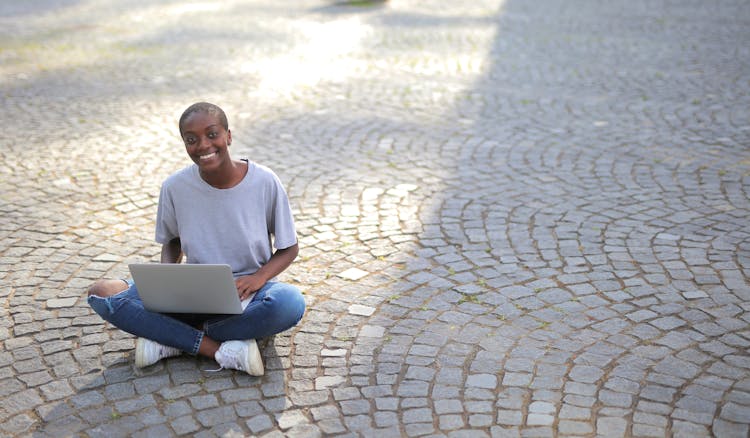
(206, 140)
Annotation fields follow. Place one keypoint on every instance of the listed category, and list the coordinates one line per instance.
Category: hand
(247, 284)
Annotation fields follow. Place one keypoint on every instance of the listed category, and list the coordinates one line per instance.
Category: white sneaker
(148, 352)
(240, 355)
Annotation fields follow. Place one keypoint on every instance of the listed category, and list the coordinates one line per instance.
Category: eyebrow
(184, 133)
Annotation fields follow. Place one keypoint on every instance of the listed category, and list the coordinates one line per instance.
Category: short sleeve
(281, 220)
(166, 220)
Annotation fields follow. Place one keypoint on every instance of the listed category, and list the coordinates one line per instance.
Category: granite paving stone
(515, 218)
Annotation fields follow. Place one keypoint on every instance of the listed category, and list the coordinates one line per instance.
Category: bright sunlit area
(327, 51)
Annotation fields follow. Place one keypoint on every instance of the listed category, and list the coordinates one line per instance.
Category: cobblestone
(515, 218)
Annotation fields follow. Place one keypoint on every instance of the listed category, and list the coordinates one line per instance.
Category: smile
(207, 156)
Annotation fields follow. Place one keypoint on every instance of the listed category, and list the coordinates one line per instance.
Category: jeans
(274, 308)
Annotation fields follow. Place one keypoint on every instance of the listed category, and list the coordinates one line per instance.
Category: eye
(213, 134)
(189, 140)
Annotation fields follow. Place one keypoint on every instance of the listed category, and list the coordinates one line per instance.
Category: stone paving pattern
(518, 218)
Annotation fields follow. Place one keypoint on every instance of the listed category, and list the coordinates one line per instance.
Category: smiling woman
(205, 131)
(217, 211)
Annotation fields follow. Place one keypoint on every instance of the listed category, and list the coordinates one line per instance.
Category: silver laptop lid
(186, 288)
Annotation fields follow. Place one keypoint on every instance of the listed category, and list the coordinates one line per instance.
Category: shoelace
(231, 357)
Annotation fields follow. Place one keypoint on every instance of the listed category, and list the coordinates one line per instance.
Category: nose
(204, 142)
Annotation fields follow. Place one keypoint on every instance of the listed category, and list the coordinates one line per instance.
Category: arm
(172, 251)
(280, 260)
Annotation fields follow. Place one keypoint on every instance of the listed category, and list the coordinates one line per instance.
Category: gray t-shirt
(232, 226)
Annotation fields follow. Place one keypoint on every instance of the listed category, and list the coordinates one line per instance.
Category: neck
(227, 176)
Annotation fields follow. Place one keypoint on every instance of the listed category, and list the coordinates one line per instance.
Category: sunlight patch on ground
(194, 7)
(328, 54)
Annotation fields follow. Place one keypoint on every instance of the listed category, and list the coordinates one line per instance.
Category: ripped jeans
(274, 308)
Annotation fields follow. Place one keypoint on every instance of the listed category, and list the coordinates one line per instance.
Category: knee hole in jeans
(107, 288)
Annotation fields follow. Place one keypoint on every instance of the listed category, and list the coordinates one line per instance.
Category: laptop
(186, 288)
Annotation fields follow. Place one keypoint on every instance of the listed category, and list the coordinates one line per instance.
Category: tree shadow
(122, 399)
(495, 206)
(27, 8)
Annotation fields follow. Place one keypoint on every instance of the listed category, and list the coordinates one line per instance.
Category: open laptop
(186, 288)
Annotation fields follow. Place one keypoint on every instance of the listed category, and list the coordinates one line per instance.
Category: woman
(218, 211)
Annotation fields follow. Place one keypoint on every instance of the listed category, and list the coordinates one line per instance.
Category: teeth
(208, 156)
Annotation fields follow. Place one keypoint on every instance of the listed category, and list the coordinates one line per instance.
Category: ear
(229, 137)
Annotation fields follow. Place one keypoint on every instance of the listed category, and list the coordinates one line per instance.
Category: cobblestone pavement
(518, 218)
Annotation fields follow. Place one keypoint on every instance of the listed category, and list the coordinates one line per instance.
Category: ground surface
(516, 218)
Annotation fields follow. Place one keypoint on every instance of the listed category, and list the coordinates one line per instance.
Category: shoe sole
(255, 361)
(140, 353)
